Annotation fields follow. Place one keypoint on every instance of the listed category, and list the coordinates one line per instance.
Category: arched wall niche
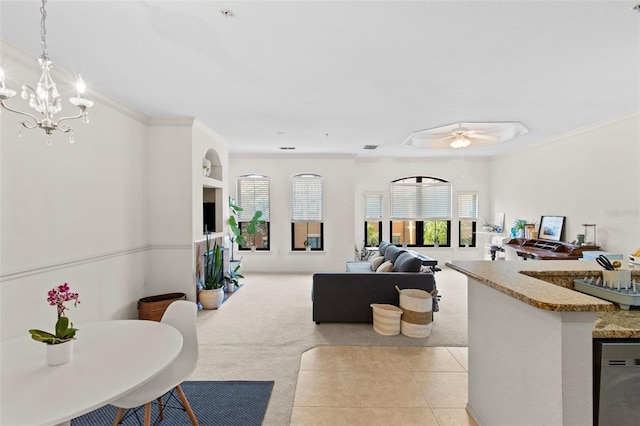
(216, 164)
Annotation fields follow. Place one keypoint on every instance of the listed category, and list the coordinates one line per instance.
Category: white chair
(180, 314)
(511, 254)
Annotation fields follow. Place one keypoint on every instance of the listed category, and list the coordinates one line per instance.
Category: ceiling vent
(372, 147)
(287, 148)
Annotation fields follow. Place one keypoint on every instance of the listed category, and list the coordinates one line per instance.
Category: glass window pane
(373, 233)
(467, 233)
(260, 239)
(307, 234)
(436, 232)
(403, 231)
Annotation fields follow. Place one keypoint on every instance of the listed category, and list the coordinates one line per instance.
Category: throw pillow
(382, 247)
(376, 262)
(391, 253)
(386, 266)
(406, 262)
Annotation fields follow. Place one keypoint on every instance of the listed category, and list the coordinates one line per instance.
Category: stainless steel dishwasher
(616, 384)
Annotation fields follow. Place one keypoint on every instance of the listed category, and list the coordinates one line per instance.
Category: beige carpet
(261, 332)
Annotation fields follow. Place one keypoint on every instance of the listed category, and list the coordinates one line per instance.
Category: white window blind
(253, 194)
(307, 198)
(372, 205)
(418, 201)
(468, 206)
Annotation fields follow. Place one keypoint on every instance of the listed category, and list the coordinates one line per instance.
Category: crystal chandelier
(45, 99)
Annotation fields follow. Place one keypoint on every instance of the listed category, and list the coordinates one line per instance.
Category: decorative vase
(206, 167)
(60, 353)
(211, 299)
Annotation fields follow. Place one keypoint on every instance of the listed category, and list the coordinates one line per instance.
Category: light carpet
(261, 331)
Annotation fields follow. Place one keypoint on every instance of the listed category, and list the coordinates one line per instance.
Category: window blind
(372, 205)
(418, 201)
(253, 194)
(468, 206)
(307, 198)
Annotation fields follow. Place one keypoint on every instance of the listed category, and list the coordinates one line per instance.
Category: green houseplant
(234, 225)
(211, 295)
(213, 269)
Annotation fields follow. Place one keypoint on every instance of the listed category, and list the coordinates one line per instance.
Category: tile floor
(382, 385)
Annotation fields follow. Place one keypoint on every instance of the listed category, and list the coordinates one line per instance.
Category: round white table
(110, 359)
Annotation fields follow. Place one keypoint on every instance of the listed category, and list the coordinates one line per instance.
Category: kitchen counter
(549, 286)
(531, 338)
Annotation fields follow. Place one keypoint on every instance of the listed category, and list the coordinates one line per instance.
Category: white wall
(346, 180)
(339, 174)
(71, 213)
(591, 175)
(169, 267)
(112, 215)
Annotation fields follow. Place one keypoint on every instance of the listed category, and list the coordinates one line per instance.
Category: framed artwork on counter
(551, 228)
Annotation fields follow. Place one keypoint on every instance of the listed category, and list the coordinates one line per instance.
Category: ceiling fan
(462, 135)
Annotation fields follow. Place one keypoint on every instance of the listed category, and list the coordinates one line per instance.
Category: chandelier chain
(43, 31)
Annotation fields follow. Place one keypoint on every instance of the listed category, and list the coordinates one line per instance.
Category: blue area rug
(230, 403)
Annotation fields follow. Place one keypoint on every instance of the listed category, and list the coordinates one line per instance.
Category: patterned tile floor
(382, 385)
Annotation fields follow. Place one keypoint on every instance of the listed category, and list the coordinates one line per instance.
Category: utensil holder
(620, 279)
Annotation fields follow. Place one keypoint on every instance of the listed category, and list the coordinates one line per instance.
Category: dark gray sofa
(347, 296)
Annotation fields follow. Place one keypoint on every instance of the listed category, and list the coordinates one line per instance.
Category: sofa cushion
(382, 247)
(386, 266)
(376, 262)
(391, 252)
(406, 262)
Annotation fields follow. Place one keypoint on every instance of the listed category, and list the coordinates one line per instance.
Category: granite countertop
(548, 285)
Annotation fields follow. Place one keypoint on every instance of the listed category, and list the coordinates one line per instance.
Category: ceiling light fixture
(45, 98)
(460, 141)
(462, 135)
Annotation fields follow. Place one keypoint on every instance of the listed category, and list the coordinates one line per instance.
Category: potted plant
(517, 231)
(234, 226)
(59, 343)
(211, 295)
(231, 279)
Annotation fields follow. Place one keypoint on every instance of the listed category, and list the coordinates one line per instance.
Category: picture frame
(551, 228)
(529, 228)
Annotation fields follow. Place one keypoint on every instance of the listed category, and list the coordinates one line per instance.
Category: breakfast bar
(530, 340)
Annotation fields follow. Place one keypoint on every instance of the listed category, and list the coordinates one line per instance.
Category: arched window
(307, 212)
(420, 210)
(253, 194)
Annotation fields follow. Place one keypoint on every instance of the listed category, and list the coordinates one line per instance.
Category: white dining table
(110, 359)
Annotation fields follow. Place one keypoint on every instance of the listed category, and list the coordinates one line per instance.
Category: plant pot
(211, 299)
(231, 288)
(59, 354)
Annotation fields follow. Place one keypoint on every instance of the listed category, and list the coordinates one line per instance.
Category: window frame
(468, 214)
(373, 208)
(417, 209)
(305, 208)
(247, 213)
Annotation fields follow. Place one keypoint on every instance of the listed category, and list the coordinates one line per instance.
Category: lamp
(45, 98)
(460, 141)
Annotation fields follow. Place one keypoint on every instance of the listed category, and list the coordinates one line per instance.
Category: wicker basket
(153, 307)
(386, 319)
(417, 315)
